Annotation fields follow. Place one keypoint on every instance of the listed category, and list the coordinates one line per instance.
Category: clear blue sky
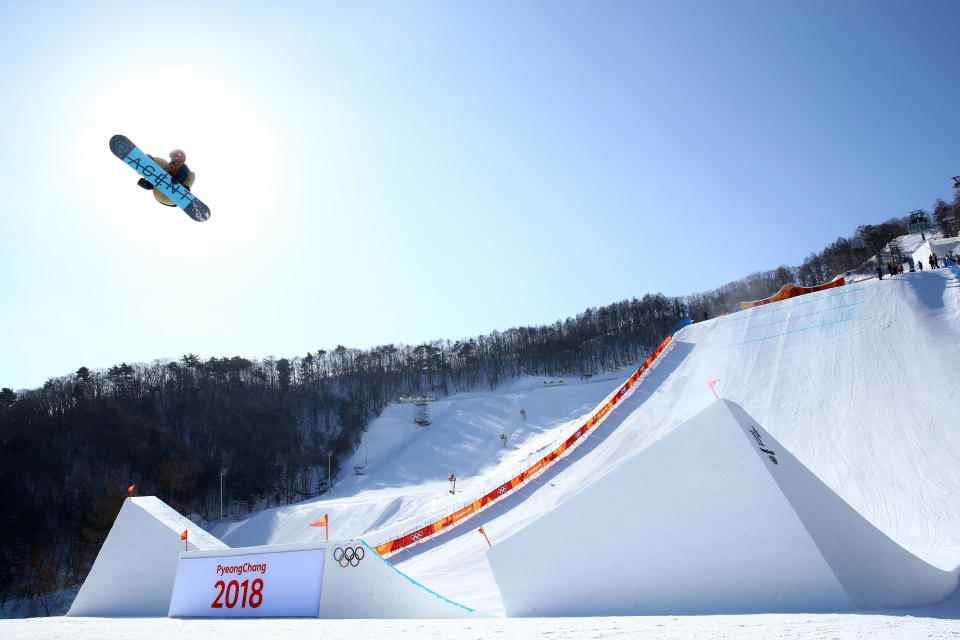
(402, 171)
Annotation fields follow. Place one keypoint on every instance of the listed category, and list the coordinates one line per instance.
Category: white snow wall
(134, 571)
(875, 571)
(704, 521)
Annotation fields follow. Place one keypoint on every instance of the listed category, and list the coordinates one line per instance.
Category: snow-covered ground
(856, 382)
(935, 623)
(859, 383)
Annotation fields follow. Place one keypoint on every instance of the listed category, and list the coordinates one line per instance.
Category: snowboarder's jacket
(178, 173)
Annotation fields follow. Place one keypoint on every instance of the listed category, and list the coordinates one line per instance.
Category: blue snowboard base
(123, 148)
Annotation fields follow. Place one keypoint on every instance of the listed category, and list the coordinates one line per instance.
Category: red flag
(130, 490)
(485, 536)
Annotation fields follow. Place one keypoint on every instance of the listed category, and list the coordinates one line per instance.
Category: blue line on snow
(382, 559)
(850, 289)
(806, 302)
(806, 315)
(816, 326)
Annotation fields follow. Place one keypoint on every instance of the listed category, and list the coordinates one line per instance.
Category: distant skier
(179, 174)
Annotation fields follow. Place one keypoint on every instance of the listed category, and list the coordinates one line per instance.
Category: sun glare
(227, 142)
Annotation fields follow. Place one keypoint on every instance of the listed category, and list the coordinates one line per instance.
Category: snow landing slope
(134, 571)
(858, 383)
(715, 517)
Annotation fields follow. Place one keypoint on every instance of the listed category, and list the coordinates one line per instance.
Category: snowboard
(123, 148)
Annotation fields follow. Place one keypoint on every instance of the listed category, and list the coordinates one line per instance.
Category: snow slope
(715, 517)
(134, 571)
(856, 382)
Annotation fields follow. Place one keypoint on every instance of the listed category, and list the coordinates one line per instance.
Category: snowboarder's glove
(143, 183)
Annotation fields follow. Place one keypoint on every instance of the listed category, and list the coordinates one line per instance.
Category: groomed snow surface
(858, 384)
(728, 522)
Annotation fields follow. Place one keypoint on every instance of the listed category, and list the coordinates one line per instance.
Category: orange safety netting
(540, 465)
(792, 291)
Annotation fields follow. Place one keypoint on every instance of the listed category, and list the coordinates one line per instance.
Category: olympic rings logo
(349, 557)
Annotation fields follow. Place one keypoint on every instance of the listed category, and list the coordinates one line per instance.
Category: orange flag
(183, 536)
(711, 383)
(322, 522)
(130, 490)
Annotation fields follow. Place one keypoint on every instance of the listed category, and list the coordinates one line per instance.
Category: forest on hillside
(69, 449)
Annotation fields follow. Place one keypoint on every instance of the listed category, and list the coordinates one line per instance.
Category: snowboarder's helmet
(178, 156)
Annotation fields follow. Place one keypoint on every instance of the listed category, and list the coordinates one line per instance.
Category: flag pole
(485, 536)
(322, 522)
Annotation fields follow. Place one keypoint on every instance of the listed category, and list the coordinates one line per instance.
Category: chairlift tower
(360, 469)
(422, 402)
(918, 221)
(423, 414)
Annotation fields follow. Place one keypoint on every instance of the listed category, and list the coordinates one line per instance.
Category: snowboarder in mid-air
(179, 174)
(171, 180)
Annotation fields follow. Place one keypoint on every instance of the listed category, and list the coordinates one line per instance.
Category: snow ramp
(135, 568)
(716, 517)
(342, 579)
(855, 381)
(142, 570)
(504, 490)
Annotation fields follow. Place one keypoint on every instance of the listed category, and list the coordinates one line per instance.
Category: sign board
(250, 585)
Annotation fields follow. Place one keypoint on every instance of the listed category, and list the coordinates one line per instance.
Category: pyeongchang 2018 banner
(257, 585)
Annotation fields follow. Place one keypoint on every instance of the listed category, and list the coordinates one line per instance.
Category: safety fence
(539, 467)
(791, 291)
